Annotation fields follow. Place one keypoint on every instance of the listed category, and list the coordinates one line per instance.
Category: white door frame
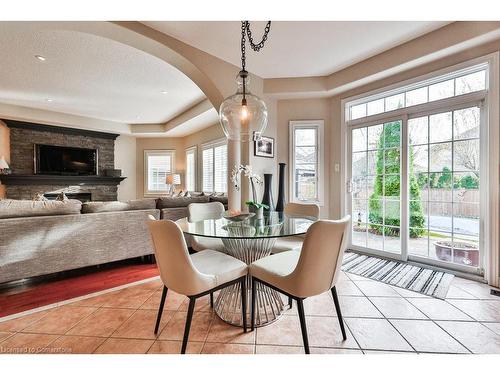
(490, 216)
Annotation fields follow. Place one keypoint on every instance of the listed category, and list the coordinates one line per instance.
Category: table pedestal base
(269, 303)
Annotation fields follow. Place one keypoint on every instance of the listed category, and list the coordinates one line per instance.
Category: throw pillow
(180, 194)
(187, 194)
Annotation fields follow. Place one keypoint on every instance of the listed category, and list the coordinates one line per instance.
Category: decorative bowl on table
(237, 216)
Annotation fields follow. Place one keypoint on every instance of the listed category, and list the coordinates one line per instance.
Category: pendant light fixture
(243, 114)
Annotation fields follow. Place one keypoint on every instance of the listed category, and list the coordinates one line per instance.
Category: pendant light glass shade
(239, 121)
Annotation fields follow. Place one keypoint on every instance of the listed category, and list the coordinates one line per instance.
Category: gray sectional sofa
(44, 237)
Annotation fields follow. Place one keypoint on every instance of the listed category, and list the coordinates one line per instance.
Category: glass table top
(274, 224)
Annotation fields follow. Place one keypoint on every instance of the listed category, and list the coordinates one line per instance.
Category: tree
(387, 184)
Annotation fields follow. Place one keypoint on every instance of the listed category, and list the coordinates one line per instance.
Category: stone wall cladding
(22, 142)
(99, 192)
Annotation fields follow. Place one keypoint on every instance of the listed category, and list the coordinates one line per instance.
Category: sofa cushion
(10, 208)
(171, 202)
(131, 205)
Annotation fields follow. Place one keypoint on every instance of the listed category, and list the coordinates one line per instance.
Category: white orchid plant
(253, 177)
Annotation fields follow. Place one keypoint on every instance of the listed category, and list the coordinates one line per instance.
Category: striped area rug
(403, 275)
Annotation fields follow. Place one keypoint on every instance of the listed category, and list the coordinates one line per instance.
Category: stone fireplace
(24, 184)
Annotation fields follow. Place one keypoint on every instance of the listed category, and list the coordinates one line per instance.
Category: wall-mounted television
(60, 160)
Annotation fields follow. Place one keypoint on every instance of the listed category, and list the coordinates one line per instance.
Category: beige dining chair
(193, 275)
(307, 273)
(295, 242)
(204, 211)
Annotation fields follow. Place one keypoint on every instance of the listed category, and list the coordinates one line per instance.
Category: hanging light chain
(245, 31)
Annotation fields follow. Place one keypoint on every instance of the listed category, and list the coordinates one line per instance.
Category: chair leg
(192, 301)
(244, 302)
(302, 318)
(339, 313)
(252, 312)
(160, 310)
(290, 302)
(212, 300)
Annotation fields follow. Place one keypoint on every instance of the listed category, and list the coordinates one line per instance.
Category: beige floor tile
(460, 280)
(60, 319)
(482, 310)
(377, 334)
(278, 349)
(347, 288)
(457, 293)
(409, 293)
(96, 301)
(124, 346)
(101, 323)
(174, 347)
(221, 332)
(437, 309)
(479, 290)
(388, 352)
(74, 345)
(218, 348)
(129, 298)
(26, 343)
(325, 332)
(474, 336)
(376, 289)
(335, 351)
(200, 325)
(426, 336)
(285, 331)
(4, 335)
(358, 307)
(141, 325)
(18, 324)
(321, 305)
(355, 277)
(397, 308)
(172, 302)
(495, 327)
(202, 304)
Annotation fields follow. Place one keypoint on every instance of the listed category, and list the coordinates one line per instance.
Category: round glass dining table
(249, 240)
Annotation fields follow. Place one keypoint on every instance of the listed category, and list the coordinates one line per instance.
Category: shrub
(390, 137)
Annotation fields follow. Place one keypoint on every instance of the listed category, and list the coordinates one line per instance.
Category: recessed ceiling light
(164, 91)
(49, 100)
(40, 57)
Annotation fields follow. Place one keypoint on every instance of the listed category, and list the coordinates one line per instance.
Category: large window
(157, 165)
(306, 153)
(191, 169)
(214, 160)
(417, 173)
(449, 85)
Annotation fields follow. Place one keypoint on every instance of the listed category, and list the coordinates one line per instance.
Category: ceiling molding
(194, 111)
(448, 40)
(19, 113)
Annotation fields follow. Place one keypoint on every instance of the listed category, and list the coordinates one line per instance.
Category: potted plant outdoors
(257, 208)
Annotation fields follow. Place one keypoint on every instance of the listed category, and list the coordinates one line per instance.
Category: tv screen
(65, 160)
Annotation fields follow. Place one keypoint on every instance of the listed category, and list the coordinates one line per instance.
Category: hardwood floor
(32, 293)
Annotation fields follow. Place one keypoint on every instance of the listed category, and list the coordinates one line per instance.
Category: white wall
(125, 159)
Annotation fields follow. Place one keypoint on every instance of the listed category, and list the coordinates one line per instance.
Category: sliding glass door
(376, 187)
(414, 187)
(445, 167)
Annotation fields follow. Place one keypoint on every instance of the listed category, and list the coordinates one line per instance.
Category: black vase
(280, 203)
(267, 198)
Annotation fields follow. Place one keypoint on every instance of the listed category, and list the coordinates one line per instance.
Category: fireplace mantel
(36, 179)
